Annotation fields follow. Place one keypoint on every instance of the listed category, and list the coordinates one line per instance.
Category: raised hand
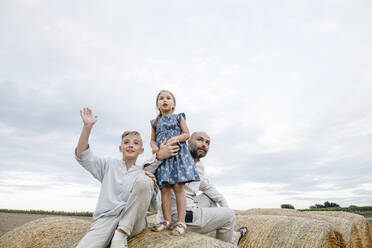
(87, 117)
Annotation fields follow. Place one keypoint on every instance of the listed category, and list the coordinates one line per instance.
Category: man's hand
(87, 117)
(152, 177)
(167, 149)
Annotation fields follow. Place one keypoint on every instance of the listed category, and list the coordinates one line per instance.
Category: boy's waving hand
(87, 117)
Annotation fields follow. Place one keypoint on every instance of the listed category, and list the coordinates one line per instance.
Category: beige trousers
(207, 217)
(132, 219)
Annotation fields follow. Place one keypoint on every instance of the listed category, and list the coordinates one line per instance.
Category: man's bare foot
(239, 235)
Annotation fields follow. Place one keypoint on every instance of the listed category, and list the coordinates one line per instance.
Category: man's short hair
(126, 133)
(193, 134)
(197, 132)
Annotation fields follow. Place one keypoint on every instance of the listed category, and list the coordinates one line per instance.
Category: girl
(173, 172)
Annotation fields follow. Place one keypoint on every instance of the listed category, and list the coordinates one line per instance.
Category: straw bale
(358, 220)
(62, 232)
(347, 228)
(46, 232)
(166, 240)
(274, 231)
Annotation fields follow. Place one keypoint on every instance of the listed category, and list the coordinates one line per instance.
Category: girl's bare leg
(166, 203)
(180, 201)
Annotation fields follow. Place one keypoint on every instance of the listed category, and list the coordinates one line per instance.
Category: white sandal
(161, 226)
(179, 229)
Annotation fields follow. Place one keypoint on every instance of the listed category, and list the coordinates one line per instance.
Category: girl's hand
(173, 140)
(87, 117)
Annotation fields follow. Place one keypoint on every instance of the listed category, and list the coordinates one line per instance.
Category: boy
(126, 190)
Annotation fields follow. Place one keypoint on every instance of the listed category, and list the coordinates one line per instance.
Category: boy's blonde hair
(126, 133)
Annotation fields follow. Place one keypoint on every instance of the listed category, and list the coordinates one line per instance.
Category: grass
(16, 211)
(63, 213)
(365, 211)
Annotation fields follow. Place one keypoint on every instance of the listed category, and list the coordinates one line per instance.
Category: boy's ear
(142, 150)
(120, 148)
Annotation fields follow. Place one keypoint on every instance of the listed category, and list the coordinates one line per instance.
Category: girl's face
(165, 102)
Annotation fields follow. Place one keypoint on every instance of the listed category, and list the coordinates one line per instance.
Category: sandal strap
(180, 228)
(164, 223)
(181, 225)
(161, 226)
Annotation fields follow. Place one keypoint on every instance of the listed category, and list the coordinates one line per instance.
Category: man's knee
(229, 216)
(205, 202)
(143, 183)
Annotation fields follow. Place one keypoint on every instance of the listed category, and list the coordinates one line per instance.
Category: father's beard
(195, 153)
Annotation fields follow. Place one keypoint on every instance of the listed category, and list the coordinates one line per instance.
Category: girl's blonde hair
(156, 103)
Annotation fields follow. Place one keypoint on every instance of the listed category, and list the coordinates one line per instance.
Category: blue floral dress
(180, 168)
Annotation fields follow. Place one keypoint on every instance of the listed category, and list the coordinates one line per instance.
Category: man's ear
(188, 141)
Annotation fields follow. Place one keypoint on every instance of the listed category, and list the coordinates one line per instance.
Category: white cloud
(282, 89)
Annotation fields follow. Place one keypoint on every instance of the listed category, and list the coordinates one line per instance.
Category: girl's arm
(153, 144)
(185, 132)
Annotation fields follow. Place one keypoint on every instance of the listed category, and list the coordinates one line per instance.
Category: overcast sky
(282, 87)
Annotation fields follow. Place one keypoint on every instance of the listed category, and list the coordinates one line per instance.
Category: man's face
(131, 146)
(199, 145)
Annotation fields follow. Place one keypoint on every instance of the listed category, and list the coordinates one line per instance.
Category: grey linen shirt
(192, 189)
(116, 182)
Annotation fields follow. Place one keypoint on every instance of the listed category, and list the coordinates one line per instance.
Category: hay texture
(268, 228)
(358, 220)
(62, 232)
(166, 240)
(348, 229)
(274, 231)
(46, 232)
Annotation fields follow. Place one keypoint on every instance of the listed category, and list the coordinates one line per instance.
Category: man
(203, 214)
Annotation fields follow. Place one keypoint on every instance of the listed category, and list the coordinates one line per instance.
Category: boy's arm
(89, 121)
(95, 165)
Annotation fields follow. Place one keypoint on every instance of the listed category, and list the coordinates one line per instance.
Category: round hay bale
(274, 231)
(348, 229)
(62, 232)
(164, 239)
(360, 222)
(46, 232)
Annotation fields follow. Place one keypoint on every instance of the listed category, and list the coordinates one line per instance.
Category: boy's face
(131, 146)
